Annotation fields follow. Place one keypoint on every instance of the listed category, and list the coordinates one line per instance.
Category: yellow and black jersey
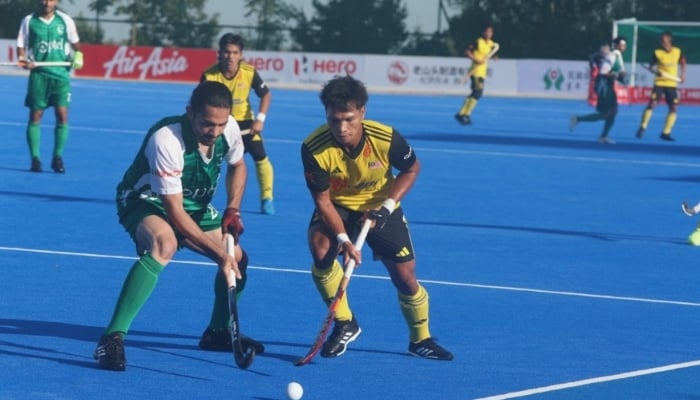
(481, 48)
(667, 62)
(359, 181)
(245, 80)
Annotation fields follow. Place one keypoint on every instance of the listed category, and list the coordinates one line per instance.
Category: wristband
(389, 204)
(342, 238)
(261, 117)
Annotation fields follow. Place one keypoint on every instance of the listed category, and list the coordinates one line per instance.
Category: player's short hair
(618, 40)
(231, 38)
(212, 94)
(342, 93)
(667, 33)
(486, 26)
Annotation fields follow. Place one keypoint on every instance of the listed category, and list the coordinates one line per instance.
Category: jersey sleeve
(164, 152)
(317, 179)
(23, 34)
(71, 29)
(401, 154)
(235, 142)
(259, 85)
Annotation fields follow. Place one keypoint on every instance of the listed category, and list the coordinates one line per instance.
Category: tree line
(548, 29)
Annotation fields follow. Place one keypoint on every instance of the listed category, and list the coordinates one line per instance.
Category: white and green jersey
(169, 162)
(48, 40)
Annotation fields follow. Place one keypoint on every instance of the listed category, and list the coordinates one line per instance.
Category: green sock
(60, 137)
(137, 288)
(590, 117)
(34, 139)
(606, 128)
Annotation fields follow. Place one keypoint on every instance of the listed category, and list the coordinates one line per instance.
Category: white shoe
(573, 121)
(605, 140)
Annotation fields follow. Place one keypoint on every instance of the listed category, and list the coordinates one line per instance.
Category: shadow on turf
(609, 237)
(641, 146)
(136, 338)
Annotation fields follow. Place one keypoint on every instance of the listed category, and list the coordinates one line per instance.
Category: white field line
(435, 282)
(503, 154)
(591, 381)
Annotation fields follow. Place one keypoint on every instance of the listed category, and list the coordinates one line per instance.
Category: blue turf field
(557, 267)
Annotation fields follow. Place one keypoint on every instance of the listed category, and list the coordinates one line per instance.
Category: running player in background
(44, 36)
(348, 163)
(610, 68)
(164, 203)
(241, 77)
(478, 52)
(664, 61)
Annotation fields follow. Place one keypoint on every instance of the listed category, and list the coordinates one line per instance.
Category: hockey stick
(242, 354)
(661, 73)
(491, 53)
(38, 63)
(318, 343)
(688, 210)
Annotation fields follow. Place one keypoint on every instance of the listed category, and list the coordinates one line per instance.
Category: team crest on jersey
(60, 29)
(367, 150)
(374, 164)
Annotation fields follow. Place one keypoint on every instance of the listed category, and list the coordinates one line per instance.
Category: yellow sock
(327, 282)
(646, 116)
(263, 169)
(468, 106)
(670, 121)
(415, 310)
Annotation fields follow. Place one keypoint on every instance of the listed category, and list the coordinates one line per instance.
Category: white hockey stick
(661, 73)
(491, 53)
(688, 210)
(38, 63)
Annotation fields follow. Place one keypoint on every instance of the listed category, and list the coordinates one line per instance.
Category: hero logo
(267, 64)
(398, 72)
(126, 61)
(305, 66)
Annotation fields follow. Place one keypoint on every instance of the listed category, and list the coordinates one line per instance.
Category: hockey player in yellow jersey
(478, 52)
(348, 166)
(241, 77)
(665, 62)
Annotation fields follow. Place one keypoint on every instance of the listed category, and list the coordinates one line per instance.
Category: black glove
(380, 217)
(621, 77)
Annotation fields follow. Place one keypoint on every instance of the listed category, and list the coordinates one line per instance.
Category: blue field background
(557, 267)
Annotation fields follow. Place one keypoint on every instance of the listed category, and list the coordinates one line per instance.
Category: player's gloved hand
(232, 222)
(381, 216)
(621, 77)
(77, 60)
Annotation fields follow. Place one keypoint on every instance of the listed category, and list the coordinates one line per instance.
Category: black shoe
(463, 119)
(667, 137)
(343, 333)
(640, 133)
(36, 165)
(57, 164)
(110, 352)
(220, 340)
(429, 349)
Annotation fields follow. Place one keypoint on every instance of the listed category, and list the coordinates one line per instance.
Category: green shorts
(45, 91)
(208, 219)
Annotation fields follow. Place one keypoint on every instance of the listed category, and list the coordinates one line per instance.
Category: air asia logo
(126, 61)
(398, 72)
(553, 77)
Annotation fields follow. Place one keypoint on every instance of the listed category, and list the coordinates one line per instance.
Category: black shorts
(393, 242)
(253, 144)
(669, 93)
